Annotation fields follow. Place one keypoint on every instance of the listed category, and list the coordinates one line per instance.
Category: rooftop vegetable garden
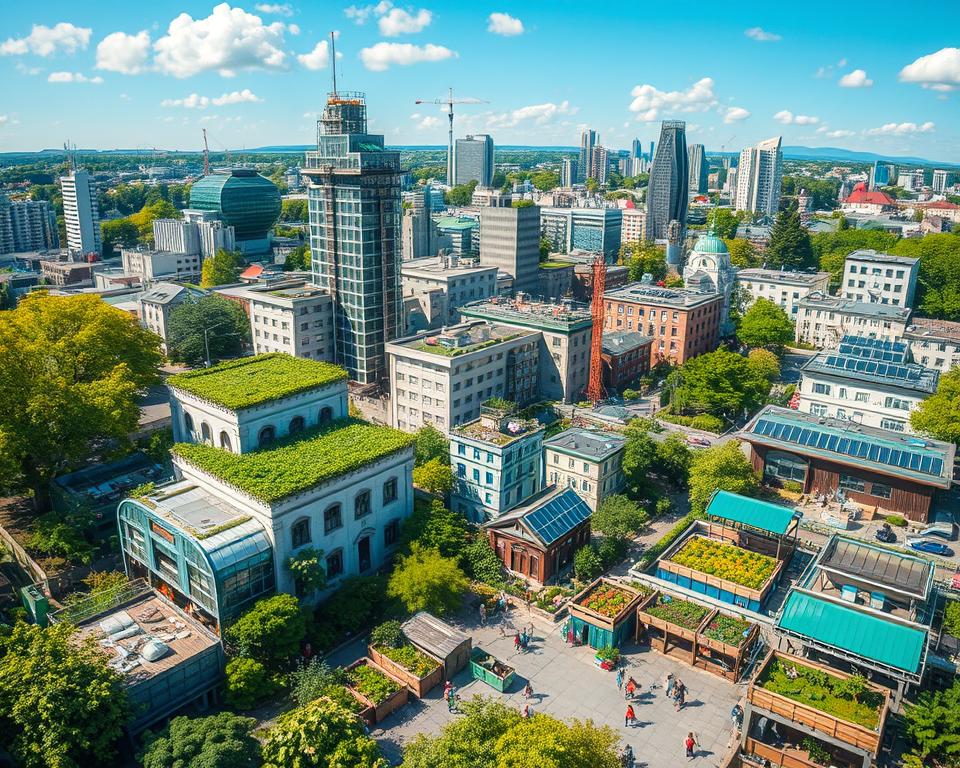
(251, 381)
(298, 463)
(607, 600)
(372, 684)
(725, 561)
(726, 629)
(683, 613)
(410, 658)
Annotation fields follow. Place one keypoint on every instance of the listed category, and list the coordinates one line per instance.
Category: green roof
(854, 631)
(297, 464)
(255, 380)
(753, 512)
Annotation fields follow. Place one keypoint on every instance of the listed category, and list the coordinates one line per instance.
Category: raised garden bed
(726, 630)
(677, 611)
(605, 602)
(552, 602)
(376, 687)
(723, 643)
(419, 671)
(493, 672)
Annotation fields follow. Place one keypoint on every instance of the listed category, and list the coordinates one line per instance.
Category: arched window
(332, 519)
(296, 425)
(205, 434)
(188, 422)
(225, 441)
(326, 415)
(267, 435)
(361, 505)
(300, 533)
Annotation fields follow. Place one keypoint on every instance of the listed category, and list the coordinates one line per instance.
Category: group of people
(521, 639)
(451, 696)
(675, 689)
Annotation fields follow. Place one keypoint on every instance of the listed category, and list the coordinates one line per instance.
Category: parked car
(947, 531)
(929, 546)
(886, 534)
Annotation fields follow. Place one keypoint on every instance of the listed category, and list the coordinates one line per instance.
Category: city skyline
(263, 71)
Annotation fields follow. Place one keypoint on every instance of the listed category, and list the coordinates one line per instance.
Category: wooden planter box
(419, 686)
(856, 735)
(733, 655)
(668, 629)
(389, 705)
(368, 714)
(500, 682)
(777, 757)
(576, 608)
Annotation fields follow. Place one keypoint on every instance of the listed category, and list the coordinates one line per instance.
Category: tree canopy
(298, 259)
(461, 194)
(832, 248)
(720, 467)
(933, 728)
(435, 527)
(743, 253)
(789, 246)
(225, 322)
(618, 517)
(642, 258)
(220, 269)
(223, 740)
(722, 383)
(765, 363)
(939, 415)
(425, 580)
(294, 210)
(71, 368)
(545, 180)
(938, 285)
(765, 324)
(270, 631)
(434, 477)
(430, 443)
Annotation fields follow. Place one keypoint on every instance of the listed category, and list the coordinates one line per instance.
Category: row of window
(267, 434)
(876, 271)
(301, 533)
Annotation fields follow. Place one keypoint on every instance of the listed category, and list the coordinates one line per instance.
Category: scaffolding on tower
(595, 383)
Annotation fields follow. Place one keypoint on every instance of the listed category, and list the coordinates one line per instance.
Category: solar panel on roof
(558, 516)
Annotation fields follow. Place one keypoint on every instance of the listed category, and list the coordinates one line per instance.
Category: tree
(545, 180)
(118, 233)
(425, 580)
(618, 517)
(223, 740)
(674, 457)
(721, 383)
(592, 185)
(293, 210)
(461, 194)
(430, 443)
(939, 415)
(324, 734)
(743, 253)
(434, 477)
(308, 570)
(545, 247)
(639, 455)
(832, 248)
(587, 564)
(721, 467)
(61, 706)
(765, 363)
(789, 246)
(220, 269)
(482, 563)
(435, 527)
(724, 222)
(644, 258)
(248, 683)
(298, 260)
(270, 631)
(71, 368)
(933, 728)
(765, 324)
(144, 218)
(938, 285)
(226, 325)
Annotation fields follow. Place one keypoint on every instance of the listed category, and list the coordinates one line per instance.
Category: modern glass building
(669, 183)
(244, 200)
(354, 206)
(474, 160)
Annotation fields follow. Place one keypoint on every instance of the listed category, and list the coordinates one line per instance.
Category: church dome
(710, 244)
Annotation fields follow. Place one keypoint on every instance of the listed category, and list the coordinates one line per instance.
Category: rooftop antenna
(333, 61)
(70, 149)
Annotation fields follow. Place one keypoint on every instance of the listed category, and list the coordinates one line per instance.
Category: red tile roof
(861, 195)
(254, 270)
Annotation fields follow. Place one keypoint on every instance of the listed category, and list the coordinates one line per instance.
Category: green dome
(245, 200)
(710, 244)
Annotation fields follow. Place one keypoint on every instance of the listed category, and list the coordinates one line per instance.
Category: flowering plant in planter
(683, 613)
(607, 600)
(725, 561)
(727, 630)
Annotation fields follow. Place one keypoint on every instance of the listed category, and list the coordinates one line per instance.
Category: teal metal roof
(753, 512)
(710, 244)
(854, 631)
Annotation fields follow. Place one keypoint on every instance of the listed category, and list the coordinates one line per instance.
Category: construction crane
(448, 103)
(206, 154)
(595, 382)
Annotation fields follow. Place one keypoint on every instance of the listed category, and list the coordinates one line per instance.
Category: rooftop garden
(849, 699)
(555, 264)
(439, 349)
(728, 630)
(477, 431)
(251, 381)
(725, 561)
(297, 463)
(683, 613)
(373, 684)
(607, 600)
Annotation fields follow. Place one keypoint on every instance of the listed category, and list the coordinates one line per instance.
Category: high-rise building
(198, 232)
(669, 181)
(81, 213)
(599, 164)
(419, 233)
(568, 172)
(354, 206)
(759, 178)
(27, 225)
(176, 236)
(941, 180)
(699, 167)
(650, 156)
(243, 199)
(636, 149)
(474, 160)
(882, 174)
(588, 140)
(510, 241)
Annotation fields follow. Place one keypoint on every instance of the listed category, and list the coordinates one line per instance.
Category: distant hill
(835, 153)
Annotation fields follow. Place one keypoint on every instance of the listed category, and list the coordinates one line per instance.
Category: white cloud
(761, 35)
(73, 77)
(539, 114)
(246, 96)
(360, 14)
(901, 129)
(786, 117)
(227, 40)
(398, 22)
(427, 123)
(318, 58)
(382, 56)
(648, 102)
(839, 133)
(124, 97)
(4, 119)
(293, 29)
(856, 79)
(44, 41)
(196, 101)
(275, 9)
(828, 70)
(735, 114)
(939, 71)
(23, 69)
(120, 52)
(504, 24)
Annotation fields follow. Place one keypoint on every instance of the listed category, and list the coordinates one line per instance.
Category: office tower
(636, 149)
(354, 205)
(419, 235)
(176, 236)
(599, 163)
(81, 213)
(244, 200)
(27, 225)
(759, 178)
(588, 140)
(474, 160)
(941, 180)
(650, 156)
(669, 181)
(568, 172)
(697, 160)
(880, 175)
(510, 241)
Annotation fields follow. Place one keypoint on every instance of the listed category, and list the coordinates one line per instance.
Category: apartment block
(443, 284)
(824, 320)
(150, 265)
(587, 461)
(933, 343)
(880, 278)
(782, 287)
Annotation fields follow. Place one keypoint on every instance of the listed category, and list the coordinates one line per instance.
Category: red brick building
(626, 357)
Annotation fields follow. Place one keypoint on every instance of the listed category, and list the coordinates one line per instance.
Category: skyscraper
(636, 149)
(697, 159)
(27, 225)
(669, 182)
(941, 180)
(474, 160)
(354, 205)
(588, 140)
(568, 172)
(510, 240)
(599, 164)
(759, 178)
(880, 175)
(81, 213)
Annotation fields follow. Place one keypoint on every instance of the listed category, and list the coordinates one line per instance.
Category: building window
(821, 389)
(880, 490)
(361, 505)
(205, 433)
(893, 425)
(334, 563)
(300, 533)
(862, 397)
(897, 403)
(461, 470)
(296, 425)
(785, 466)
(267, 435)
(188, 421)
(225, 441)
(851, 483)
(391, 533)
(390, 490)
(461, 449)
(332, 519)
(326, 415)
(818, 410)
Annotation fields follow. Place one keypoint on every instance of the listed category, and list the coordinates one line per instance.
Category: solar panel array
(875, 368)
(874, 349)
(850, 445)
(558, 517)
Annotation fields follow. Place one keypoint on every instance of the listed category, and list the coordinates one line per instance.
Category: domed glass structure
(245, 200)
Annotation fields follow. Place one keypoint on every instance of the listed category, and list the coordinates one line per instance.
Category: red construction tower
(595, 384)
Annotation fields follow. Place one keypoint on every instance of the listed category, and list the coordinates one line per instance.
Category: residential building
(568, 172)
(176, 236)
(782, 287)
(866, 382)
(155, 305)
(633, 224)
(67, 274)
(941, 209)
(419, 235)
(474, 160)
(510, 241)
(588, 140)
(214, 233)
(586, 461)
(152, 265)
(933, 343)
(497, 461)
(824, 320)
(941, 180)
(599, 164)
(880, 278)
(295, 319)
(862, 200)
(912, 181)
(892, 472)
(243, 199)
(443, 284)
(699, 169)
(356, 257)
(565, 329)
(538, 539)
(594, 230)
(459, 235)
(626, 357)
(442, 377)
(759, 178)
(668, 188)
(708, 270)
(27, 225)
(682, 323)
(81, 213)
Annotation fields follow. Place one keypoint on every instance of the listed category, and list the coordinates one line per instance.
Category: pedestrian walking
(629, 718)
(620, 680)
(668, 683)
(526, 712)
(631, 688)
(527, 690)
(679, 695)
(483, 614)
(447, 687)
(690, 744)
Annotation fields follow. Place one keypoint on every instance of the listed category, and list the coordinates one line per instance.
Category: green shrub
(316, 678)
(608, 653)
(630, 394)
(357, 604)
(951, 618)
(248, 683)
(792, 486)
(708, 423)
(611, 550)
(411, 659)
(270, 631)
(481, 562)
(388, 634)
(662, 507)
(372, 683)
(897, 520)
(587, 564)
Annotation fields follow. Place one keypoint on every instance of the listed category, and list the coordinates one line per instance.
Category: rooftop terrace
(565, 316)
(819, 301)
(642, 293)
(782, 276)
(590, 444)
(938, 330)
(462, 339)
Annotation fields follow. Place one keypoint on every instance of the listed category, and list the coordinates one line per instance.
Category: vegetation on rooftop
(727, 629)
(439, 349)
(607, 600)
(683, 613)
(372, 683)
(298, 463)
(725, 561)
(252, 381)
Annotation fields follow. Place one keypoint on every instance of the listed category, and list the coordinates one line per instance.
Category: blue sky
(882, 78)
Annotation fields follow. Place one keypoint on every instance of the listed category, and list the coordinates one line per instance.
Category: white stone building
(151, 265)
(934, 343)
(442, 284)
(880, 278)
(157, 303)
(824, 320)
(588, 461)
(782, 287)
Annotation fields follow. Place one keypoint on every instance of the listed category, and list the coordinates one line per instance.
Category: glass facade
(245, 200)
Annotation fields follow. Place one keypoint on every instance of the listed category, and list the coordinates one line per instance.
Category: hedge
(300, 462)
(250, 381)
(704, 421)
